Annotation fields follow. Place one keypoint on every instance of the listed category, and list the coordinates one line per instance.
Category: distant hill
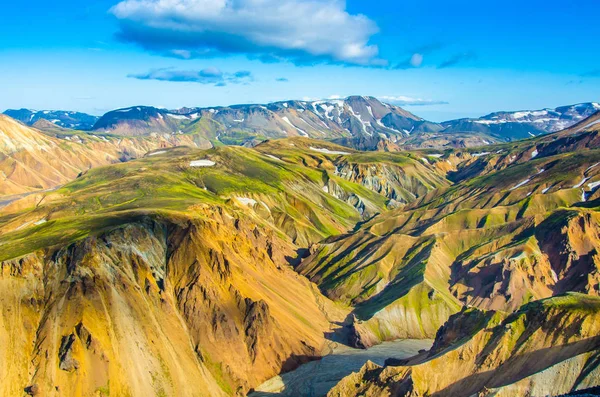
(60, 118)
(524, 124)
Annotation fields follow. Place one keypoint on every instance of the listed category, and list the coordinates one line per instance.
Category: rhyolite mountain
(193, 272)
(60, 118)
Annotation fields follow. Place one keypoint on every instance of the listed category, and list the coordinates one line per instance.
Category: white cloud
(402, 100)
(303, 31)
(416, 60)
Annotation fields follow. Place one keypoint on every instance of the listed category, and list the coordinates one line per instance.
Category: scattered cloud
(334, 97)
(415, 61)
(410, 101)
(457, 59)
(212, 76)
(282, 80)
(300, 31)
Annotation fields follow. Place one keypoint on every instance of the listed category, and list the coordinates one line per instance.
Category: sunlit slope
(188, 266)
(31, 160)
(548, 347)
(495, 241)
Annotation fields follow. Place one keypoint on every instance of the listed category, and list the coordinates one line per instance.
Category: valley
(167, 264)
(299, 198)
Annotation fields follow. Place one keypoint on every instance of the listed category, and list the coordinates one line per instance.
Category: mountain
(517, 224)
(189, 271)
(546, 348)
(60, 118)
(170, 274)
(31, 160)
(364, 123)
(353, 117)
(524, 124)
(360, 122)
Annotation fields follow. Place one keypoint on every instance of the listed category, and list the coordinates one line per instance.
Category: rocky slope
(548, 347)
(197, 307)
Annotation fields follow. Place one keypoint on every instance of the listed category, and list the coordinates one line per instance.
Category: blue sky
(440, 59)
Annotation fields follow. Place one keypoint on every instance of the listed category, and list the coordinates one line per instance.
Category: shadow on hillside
(519, 367)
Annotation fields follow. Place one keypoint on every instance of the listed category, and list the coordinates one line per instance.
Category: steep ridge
(481, 161)
(31, 160)
(497, 241)
(548, 347)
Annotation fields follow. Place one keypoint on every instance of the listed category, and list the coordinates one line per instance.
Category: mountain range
(356, 121)
(147, 257)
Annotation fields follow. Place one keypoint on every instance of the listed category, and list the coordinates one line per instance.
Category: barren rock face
(193, 309)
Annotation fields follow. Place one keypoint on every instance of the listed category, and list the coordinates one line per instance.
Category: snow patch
(247, 201)
(580, 184)
(593, 185)
(327, 151)
(177, 116)
(590, 167)
(525, 182)
(202, 163)
(273, 157)
(159, 152)
(534, 154)
(302, 132)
